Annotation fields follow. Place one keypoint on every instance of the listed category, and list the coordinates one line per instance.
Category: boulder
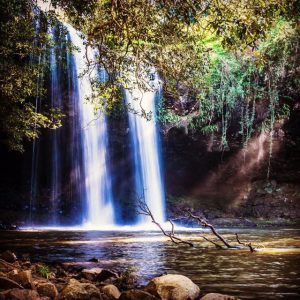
(5, 266)
(98, 274)
(76, 290)
(24, 278)
(47, 289)
(91, 274)
(8, 256)
(111, 291)
(106, 274)
(173, 287)
(136, 295)
(20, 294)
(6, 283)
(216, 296)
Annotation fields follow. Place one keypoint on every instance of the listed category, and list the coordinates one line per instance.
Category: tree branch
(204, 223)
(143, 209)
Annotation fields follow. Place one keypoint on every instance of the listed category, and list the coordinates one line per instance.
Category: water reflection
(270, 273)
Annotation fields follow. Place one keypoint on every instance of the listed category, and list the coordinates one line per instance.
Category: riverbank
(20, 279)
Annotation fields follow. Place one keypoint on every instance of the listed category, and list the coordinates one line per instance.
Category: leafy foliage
(224, 56)
(44, 271)
(136, 36)
(24, 44)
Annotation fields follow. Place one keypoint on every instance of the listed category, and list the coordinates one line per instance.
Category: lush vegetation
(217, 60)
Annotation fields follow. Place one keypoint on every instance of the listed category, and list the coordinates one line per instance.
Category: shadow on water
(271, 273)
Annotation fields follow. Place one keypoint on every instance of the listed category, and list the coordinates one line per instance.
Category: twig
(143, 209)
(214, 243)
(211, 227)
(252, 249)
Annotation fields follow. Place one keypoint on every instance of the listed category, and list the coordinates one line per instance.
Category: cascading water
(35, 144)
(80, 179)
(99, 204)
(146, 151)
(56, 102)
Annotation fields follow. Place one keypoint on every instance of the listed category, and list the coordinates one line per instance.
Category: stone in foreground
(8, 256)
(24, 278)
(97, 274)
(76, 290)
(20, 294)
(6, 283)
(216, 296)
(47, 289)
(111, 291)
(173, 287)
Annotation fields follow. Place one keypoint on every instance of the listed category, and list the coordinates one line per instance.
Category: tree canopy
(218, 53)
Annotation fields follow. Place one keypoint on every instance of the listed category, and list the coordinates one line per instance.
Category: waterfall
(98, 194)
(56, 102)
(146, 151)
(35, 144)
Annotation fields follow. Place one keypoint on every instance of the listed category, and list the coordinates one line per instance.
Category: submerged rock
(111, 291)
(76, 290)
(95, 260)
(136, 295)
(216, 296)
(173, 287)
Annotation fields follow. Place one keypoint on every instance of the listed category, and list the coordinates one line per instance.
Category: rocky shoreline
(21, 279)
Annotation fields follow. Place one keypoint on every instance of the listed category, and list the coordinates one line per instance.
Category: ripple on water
(270, 273)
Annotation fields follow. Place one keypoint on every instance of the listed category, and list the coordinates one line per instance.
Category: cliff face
(218, 184)
(239, 182)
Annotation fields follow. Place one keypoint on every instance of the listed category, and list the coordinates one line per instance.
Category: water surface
(271, 273)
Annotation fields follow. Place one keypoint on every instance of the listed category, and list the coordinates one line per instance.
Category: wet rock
(25, 257)
(20, 294)
(173, 287)
(76, 290)
(8, 256)
(98, 274)
(47, 289)
(136, 295)
(95, 260)
(111, 291)
(12, 273)
(91, 274)
(24, 278)
(216, 296)
(5, 266)
(6, 283)
(26, 264)
(106, 274)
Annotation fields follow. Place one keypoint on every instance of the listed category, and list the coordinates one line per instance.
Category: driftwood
(245, 244)
(144, 209)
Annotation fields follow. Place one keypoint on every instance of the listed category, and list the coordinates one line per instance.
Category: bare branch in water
(204, 223)
(143, 209)
(252, 249)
